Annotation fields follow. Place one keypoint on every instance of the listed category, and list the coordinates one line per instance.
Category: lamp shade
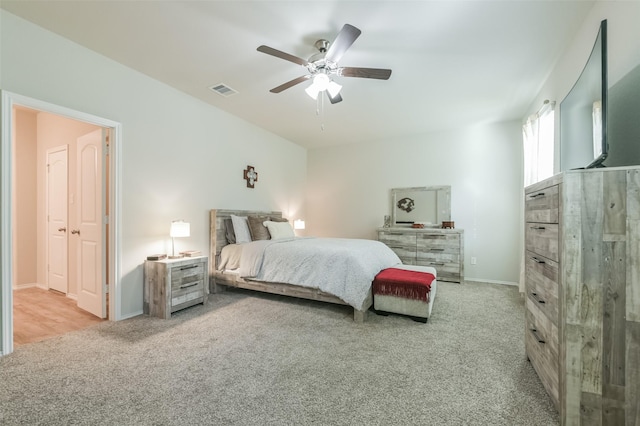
(298, 224)
(180, 228)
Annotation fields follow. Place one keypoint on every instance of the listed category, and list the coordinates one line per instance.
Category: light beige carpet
(252, 359)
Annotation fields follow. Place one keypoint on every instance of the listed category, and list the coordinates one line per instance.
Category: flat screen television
(583, 112)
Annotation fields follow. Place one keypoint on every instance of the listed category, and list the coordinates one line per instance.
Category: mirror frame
(443, 203)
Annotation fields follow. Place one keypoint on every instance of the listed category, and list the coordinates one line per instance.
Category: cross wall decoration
(251, 176)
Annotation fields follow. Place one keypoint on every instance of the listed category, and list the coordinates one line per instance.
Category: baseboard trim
(134, 314)
(484, 280)
(23, 286)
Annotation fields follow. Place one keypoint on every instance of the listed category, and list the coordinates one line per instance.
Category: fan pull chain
(320, 111)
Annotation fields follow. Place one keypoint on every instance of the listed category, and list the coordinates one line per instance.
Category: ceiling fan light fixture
(333, 88)
(312, 91)
(321, 81)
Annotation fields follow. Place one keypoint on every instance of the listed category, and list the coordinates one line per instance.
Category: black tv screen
(623, 121)
(583, 112)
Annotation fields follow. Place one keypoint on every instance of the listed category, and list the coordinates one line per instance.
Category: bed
(219, 278)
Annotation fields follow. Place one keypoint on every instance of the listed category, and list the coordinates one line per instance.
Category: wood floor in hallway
(40, 314)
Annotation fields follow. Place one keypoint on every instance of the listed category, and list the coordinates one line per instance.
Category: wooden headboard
(217, 232)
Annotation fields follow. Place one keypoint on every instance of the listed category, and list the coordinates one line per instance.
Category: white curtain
(537, 134)
(538, 138)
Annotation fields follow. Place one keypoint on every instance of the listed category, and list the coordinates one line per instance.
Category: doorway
(103, 248)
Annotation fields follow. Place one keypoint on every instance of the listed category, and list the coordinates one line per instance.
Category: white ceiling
(454, 62)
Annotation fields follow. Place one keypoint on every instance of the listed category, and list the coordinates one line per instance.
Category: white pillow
(241, 229)
(279, 230)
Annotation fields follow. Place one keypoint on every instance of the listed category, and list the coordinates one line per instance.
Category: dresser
(582, 302)
(174, 284)
(442, 249)
(542, 243)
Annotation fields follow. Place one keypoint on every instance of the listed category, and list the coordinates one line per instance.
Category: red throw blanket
(402, 283)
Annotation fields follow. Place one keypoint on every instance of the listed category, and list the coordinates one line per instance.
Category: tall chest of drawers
(442, 249)
(582, 282)
(174, 284)
(542, 242)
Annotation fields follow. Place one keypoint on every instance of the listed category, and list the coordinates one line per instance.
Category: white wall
(180, 157)
(348, 189)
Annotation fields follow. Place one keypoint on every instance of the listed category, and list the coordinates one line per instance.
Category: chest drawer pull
(190, 284)
(535, 334)
(537, 298)
(539, 228)
(436, 249)
(539, 194)
(437, 263)
(535, 259)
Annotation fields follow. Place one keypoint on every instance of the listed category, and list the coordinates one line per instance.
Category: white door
(90, 229)
(56, 205)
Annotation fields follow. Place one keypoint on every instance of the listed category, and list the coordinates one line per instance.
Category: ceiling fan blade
(345, 38)
(282, 55)
(337, 98)
(290, 84)
(378, 73)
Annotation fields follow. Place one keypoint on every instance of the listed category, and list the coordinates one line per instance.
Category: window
(538, 137)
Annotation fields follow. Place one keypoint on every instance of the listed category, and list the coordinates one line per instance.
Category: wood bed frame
(217, 278)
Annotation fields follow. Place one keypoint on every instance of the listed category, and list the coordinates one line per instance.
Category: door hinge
(106, 220)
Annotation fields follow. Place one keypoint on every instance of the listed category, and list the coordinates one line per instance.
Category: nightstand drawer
(186, 293)
(182, 274)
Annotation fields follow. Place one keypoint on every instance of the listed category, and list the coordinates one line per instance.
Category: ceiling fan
(324, 65)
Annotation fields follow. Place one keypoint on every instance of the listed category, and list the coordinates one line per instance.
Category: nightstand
(174, 284)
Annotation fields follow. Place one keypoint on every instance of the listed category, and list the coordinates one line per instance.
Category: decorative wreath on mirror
(406, 204)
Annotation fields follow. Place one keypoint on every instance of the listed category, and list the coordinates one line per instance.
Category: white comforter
(342, 267)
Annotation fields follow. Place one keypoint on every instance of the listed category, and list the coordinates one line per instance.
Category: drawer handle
(395, 233)
(535, 259)
(396, 247)
(437, 249)
(536, 298)
(535, 334)
(190, 284)
(539, 194)
(541, 228)
(188, 267)
(437, 263)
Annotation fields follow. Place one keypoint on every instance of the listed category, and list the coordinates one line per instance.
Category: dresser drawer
(439, 242)
(542, 206)
(542, 239)
(541, 345)
(447, 271)
(398, 239)
(542, 284)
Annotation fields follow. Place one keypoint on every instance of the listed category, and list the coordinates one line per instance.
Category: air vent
(223, 90)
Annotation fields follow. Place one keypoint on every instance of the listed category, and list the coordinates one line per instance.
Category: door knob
(62, 229)
(75, 231)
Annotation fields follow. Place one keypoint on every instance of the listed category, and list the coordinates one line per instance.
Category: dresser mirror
(427, 205)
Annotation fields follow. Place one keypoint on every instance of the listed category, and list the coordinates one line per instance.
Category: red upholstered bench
(405, 289)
